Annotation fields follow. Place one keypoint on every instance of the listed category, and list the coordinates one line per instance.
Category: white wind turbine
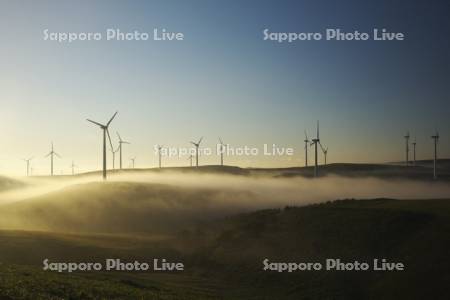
(307, 141)
(197, 145)
(52, 154)
(407, 136)
(133, 159)
(222, 150)
(113, 152)
(325, 152)
(28, 165)
(160, 147)
(73, 166)
(105, 133)
(314, 142)
(121, 142)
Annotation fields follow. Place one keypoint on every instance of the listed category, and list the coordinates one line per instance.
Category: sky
(223, 80)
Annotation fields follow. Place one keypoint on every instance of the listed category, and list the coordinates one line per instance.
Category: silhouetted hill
(224, 257)
(421, 171)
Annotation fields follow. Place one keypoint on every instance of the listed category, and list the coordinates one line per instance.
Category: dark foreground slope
(223, 258)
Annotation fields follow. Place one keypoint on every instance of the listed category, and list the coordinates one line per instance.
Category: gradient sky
(222, 80)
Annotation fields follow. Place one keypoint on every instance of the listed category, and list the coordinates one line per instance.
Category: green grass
(28, 282)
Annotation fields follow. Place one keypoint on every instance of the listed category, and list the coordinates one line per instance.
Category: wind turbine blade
(112, 118)
(96, 123)
(57, 154)
(48, 154)
(193, 143)
(220, 140)
(306, 136)
(109, 138)
(321, 147)
(118, 135)
(200, 141)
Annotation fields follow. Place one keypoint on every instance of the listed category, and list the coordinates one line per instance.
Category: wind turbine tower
(52, 154)
(407, 147)
(436, 141)
(133, 159)
(28, 165)
(113, 152)
(121, 142)
(190, 159)
(222, 149)
(414, 150)
(105, 129)
(197, 145)
(315, 142)
(73, 166)
(307, 141)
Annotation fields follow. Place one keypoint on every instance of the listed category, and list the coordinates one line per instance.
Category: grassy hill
(223, 257)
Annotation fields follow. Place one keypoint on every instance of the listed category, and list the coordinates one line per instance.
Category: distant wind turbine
(133, 159)
(52, 154)
(120, 149)
(314, 142)
(160, 147)
(105, 133)
(190, 159)
(414, 150)
(407, 147)
(28, 165)
(113, 152)
(436, 141)
(307, 141)
(197, 145)
(73, 166)
(222, 149)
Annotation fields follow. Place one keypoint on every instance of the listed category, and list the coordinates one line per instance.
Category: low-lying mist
(153, 202)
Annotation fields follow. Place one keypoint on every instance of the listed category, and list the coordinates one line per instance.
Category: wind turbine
(132, 162)
(52, 154)
(113, 152)
(407, 147)
(160, 147)
(315, 142)
(28, 165)
(120, 148)
(436, 141)
(73, 166)
(414, 150)
(197, 145)
(105, 132)
(307, 141)
(222, 147)
(325, 152)
(190, 159)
